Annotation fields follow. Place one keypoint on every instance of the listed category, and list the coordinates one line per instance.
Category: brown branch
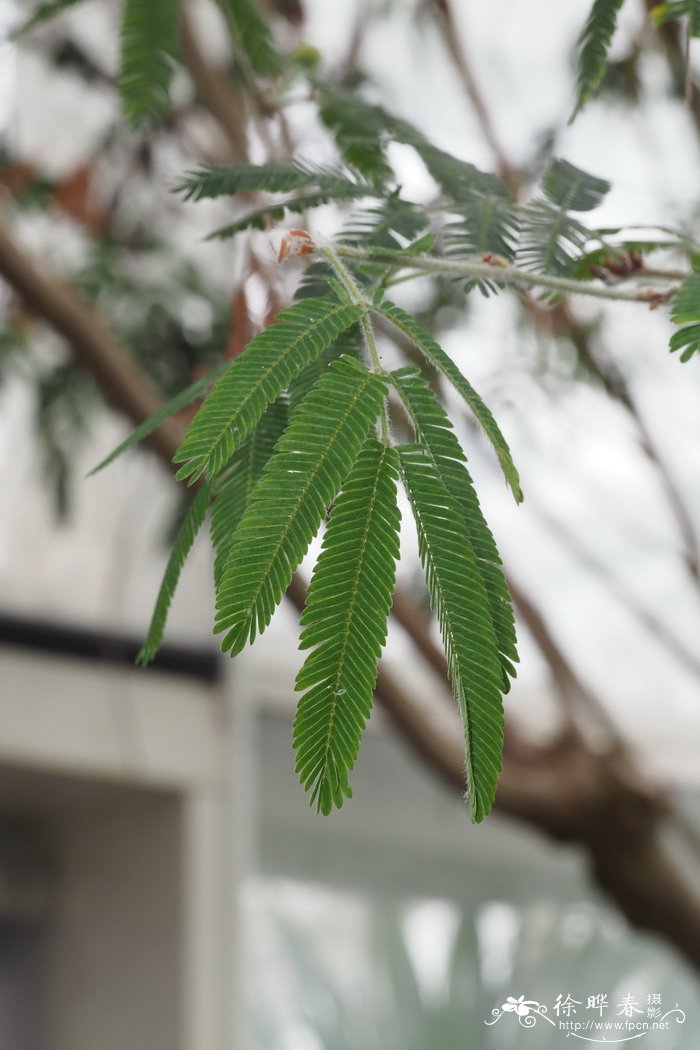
(214, 90)
(416, 624)
(455, 50)
(616, 384)
(574, 694)
(93, 345)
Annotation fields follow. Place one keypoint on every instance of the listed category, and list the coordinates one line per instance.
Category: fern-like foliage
(289, 431)
(668, 12)
(252, 35)
(433, 352)
(552, 239)
(459, 601)
(149, 44)
(390, 224)
(176, 404)
(184, 540)
(257, 378)
(363, 132)
(357, 132)
(346, 345)
(572, 189)
(301, 480)
(224, 180)
(320, 184)
(485, 224)
(345, 620)
(593, 47)
(234, 487)
(387, 225)
(488, 223)
(435, 433)
(685, 310)
(261, 218)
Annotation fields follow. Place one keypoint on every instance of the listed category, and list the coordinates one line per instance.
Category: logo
(597, 1019)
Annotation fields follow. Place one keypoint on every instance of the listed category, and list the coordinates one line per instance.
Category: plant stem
(355, 292)
(503, 273)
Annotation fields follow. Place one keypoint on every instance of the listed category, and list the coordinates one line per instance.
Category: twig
(93, 345)
(455, 49)
(505, 273)
(214, 89)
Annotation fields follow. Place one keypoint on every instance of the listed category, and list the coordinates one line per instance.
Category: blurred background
(163, 882)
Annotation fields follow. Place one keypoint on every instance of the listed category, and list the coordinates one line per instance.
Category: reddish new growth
(296, 242)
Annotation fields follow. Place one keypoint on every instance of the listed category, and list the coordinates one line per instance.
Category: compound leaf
(149, 43)
(686, 311)
(176, 404)
(235, 485)
(345, 619)
(256, 378)
(184, 540)
(435, 433)
(434, 353)
(594, 44)
(459, 600)
(252, 34)
(311, 460)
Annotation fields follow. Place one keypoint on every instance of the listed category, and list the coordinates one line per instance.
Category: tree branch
(455, 50)
(94, 347)
(214, 89)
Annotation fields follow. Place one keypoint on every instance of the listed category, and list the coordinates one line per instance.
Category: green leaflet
(347, 344)
(572, 189)
(301, 480)
(685, 310)
(594, 43)
(186, 535)
(363, 131)
(356, 133)
(321, 183)
(345, 619)
(434, 353)
(551, 239)
(384, 224)
(275, 211)
(235, 486)
(459, 600)
(225, 180)
(176, 404)
(434, 432)
(485, 223)
(256, 378)
(667, 12)
(252, 34)
(149, 43)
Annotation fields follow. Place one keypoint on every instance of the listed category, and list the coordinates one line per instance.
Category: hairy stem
(355, 292)
(501, 272)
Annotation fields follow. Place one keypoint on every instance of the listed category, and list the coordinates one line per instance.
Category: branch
(94, 347)
(501, 272)
(214, 90)
(455, 49)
